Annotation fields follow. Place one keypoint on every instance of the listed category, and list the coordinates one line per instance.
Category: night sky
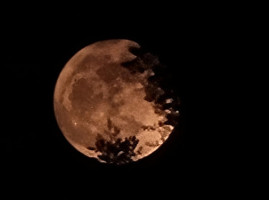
(35, 49)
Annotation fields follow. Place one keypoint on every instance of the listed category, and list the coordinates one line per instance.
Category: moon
(108, 104)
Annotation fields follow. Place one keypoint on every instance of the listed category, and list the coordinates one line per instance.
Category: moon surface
(108, 104)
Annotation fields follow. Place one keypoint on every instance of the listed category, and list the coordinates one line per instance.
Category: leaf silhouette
(118, 151)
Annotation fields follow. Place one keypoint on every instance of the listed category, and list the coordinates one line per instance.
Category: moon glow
(108, 104)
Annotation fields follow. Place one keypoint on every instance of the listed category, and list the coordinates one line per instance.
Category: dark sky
(35, 48)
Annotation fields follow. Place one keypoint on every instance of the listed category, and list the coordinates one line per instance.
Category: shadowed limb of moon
(109, 104)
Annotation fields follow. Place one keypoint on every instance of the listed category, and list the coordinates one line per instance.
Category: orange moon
(107, 108)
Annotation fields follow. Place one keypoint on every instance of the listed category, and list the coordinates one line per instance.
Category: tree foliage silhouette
(115, 150)
(118, 151)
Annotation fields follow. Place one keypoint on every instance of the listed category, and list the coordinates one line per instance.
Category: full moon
(109, 105)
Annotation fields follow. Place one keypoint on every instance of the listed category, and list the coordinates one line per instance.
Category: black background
(37, 44)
